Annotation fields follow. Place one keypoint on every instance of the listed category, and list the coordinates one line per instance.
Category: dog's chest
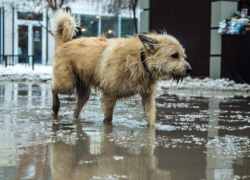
(133, 88)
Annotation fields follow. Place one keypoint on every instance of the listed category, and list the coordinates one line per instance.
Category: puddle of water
(201, 135)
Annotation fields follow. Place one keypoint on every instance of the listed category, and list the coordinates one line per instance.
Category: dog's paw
(153, 126)
(107, 120)
(76, 116)
(54, 114)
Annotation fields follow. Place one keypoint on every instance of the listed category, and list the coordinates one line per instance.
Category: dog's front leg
(148, 103)
(109, 104)
(56, 103)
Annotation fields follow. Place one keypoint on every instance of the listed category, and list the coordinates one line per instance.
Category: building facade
(26, 28)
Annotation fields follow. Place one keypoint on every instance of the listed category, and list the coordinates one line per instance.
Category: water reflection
(216, 168)
(100, 155)
(201, 135)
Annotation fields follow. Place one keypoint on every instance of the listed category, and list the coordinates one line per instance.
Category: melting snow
(207, 83)
(22, 73)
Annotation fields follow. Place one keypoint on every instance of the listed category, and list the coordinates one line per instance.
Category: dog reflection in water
(89, 156)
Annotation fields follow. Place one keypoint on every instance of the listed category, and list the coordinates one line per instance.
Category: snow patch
(222, 84)
(25, 73)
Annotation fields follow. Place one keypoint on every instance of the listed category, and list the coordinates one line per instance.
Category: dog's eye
(175, 56)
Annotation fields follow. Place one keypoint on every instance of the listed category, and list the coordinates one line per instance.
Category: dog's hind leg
(109, 104)
(148, 103)
(82, 94)
(56, 103)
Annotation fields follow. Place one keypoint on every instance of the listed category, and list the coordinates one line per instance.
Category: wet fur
(112, 66)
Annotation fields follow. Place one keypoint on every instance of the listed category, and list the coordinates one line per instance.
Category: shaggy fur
(113, 66)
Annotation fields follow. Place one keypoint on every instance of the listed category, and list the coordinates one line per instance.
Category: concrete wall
(8, 30)
(144, 16)
(220, 11)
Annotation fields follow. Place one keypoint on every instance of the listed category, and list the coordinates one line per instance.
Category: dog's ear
(148, 42)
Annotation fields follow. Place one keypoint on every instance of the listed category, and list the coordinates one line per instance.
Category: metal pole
(3, 33)
(33, 62)
(47, 37)
(13, 34)
(5, 59)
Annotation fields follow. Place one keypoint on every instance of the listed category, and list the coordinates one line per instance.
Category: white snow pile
(206, 84)
(22, 73)
(44, 74)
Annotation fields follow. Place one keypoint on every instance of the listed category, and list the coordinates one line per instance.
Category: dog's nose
(188, 70)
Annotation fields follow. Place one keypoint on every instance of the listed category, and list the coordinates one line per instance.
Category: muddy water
(200, 135)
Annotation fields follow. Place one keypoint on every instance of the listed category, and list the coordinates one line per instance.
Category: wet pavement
(201, 135)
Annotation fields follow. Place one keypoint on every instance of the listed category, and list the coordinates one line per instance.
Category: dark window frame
(30, 16)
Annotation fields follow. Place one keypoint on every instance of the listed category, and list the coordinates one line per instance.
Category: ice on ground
(166, 127)
(44, 74)
(118, 158)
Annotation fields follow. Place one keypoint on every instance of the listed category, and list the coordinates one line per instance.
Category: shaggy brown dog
(120, 68)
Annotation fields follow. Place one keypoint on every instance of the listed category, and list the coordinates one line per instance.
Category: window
(23, 40)
(109, 26)
(37, 44)
(89, 25)
(30, 16)
(127, 26)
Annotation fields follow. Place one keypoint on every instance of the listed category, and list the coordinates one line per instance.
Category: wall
(8, 30)
(189, 21)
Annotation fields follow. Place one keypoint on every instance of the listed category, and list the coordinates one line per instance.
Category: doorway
(30, 42)
(37, 44)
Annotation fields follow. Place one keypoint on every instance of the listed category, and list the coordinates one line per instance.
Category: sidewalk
(20, 73)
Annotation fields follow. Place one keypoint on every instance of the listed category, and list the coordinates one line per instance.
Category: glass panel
(89, 25)
(76, 16)
(127, 26)
(22, 43)
(37, 44)
(30, 16)
(110, 26)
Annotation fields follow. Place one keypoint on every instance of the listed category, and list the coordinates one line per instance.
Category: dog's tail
(65, 26)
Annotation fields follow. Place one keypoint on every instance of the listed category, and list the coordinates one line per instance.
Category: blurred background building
(26, 28)
(27, 25)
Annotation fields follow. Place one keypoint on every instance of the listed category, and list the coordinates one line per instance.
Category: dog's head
(165, 56)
